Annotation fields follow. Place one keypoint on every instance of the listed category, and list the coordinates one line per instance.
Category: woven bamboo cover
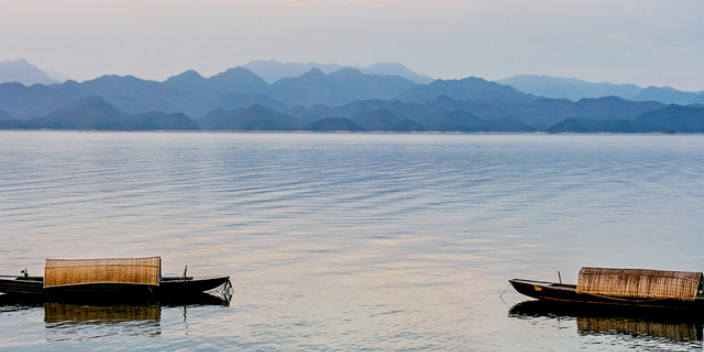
(67, 272)
(639, 283)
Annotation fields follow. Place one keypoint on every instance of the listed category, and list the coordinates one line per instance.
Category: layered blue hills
(346, 99)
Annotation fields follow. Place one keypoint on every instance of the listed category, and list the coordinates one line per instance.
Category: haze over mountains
(24, 72)
(272, 71)
(575, 89)
(315, 97)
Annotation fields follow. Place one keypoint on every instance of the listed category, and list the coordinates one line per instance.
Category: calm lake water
(349, 242)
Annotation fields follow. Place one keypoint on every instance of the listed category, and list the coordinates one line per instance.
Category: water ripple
(347, 242)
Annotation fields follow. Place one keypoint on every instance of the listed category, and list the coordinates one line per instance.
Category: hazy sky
(646, 42)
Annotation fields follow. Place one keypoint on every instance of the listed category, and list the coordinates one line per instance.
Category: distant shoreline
(348, 132)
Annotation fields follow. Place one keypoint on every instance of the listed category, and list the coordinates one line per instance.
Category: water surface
(348, 242)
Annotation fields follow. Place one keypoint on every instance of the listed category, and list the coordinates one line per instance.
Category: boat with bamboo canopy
(622, 287)
(117, 277)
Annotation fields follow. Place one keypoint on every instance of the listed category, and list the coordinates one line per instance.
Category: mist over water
(346, 242)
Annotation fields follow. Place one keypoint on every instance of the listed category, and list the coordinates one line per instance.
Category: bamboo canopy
(640, 283)
(136, 271)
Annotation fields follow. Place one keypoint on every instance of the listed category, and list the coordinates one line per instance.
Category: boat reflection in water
(674, 326)
(67, 320)
(79, 322)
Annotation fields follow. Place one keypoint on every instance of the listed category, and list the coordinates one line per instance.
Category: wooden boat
(622, 287)
(124, 277)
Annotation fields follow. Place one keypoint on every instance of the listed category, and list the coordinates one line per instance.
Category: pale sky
(646, 42)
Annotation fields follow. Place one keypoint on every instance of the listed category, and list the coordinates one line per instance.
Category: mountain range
(272, 71)
(683, 119)
(25, 73)
(343, 99)
(575, 89)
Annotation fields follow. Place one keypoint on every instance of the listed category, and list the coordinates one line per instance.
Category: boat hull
(168, 288)
(557, 292)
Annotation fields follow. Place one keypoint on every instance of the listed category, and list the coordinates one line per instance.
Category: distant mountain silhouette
(131, 94)
(198, 94)
(569, 88)
(23, 72)
(361, 106)
(255, 118)
(545, 112)
(306, 89)
(238, 99)
(377, 120)
(333, 124)
(672, 118)
(12, 124)
(219, 119)
(192, 82)
(540, 113)
(681, 119)
(272, 71)
(482, 110)
(235, 80)
(396, 69)
(239, 80)
(304, 115)
(408, 125)
(162, 121)
(462, 121)
(313, 87)
(22, 101)
(668, 95)
(508, 124)
(234, 101)
(575, 89)
(611, 107)
(94, 113)
(586, 125)
(5, 116)
(414, 111)
(454, 121)
(469, 89)
(259, 118)
(56, 76)
(340, 87)
(87, 113)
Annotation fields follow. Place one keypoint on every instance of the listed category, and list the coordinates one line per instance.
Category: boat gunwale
(173, 286)
(566, 293)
